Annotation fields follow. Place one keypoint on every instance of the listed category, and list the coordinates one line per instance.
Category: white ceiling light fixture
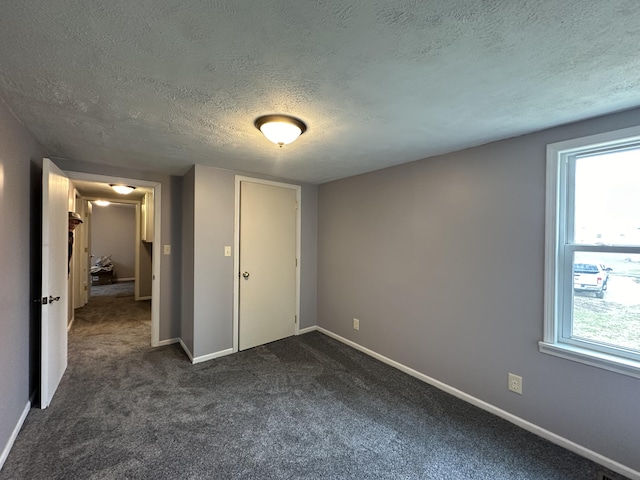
(102, 203)
(123, 189)
(280, 129)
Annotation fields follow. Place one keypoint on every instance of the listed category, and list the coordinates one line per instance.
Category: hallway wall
(113, 232)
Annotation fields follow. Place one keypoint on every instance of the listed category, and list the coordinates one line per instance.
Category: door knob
(245, 274)
(53, 299)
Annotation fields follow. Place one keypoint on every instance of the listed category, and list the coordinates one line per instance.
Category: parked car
(591, 277)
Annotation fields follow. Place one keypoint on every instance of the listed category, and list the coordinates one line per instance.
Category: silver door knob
(245, 274)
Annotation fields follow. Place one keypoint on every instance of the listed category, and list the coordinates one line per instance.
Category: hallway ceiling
(102, 191)
(166, 84)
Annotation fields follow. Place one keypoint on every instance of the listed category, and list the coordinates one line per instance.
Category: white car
(591, 277)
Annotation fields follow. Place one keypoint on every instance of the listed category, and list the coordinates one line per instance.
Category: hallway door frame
(157, 229)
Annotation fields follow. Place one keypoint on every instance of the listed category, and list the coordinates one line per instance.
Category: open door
(55, 200)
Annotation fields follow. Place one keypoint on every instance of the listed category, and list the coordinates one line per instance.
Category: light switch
(167, 249)
(227, 251)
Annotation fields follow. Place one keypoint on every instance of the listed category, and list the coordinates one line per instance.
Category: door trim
(236, 249)
(155, 286)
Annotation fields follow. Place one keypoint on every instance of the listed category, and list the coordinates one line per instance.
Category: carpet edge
(520, 422)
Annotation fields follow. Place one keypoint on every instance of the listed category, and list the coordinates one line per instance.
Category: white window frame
(559, 250)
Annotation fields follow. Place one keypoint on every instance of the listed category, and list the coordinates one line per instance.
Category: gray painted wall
(442, 261)
(20, 169)
(213, 194)
(113, 232)
(309, 254)
(145, 276)
(171, 215)
(188, 202)
(213, 272)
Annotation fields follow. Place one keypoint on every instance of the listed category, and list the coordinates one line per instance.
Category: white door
(267, 290)
(55, 200)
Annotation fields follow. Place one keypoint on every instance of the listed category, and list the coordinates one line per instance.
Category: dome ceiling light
(280, 129)
(123, 189)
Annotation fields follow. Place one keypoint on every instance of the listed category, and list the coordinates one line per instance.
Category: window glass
(606, 299)
(607, 198)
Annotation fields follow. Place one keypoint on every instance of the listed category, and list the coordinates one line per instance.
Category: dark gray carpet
(118, 289)
(305, 407)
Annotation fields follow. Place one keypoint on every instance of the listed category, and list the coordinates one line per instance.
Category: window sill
(612, 363)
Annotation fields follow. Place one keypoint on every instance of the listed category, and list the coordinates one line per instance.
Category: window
(592, 251)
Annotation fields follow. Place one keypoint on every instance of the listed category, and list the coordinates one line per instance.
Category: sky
(607, 198)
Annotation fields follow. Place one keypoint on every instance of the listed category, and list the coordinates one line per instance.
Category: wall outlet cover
(515, 383)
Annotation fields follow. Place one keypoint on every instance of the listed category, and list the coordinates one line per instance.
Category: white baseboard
(535, 429)
(221, 353)
(204, 358)
(14, 434)
(302, 331)
(169, 341)
(143, 298)
(211, 356)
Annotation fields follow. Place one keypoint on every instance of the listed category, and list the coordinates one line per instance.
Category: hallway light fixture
(280, 129)
(123, 189)
(102, 203)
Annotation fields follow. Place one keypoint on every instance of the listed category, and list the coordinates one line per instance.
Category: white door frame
(155, 286)
(82, 284)
(136, 205)
(236, 249)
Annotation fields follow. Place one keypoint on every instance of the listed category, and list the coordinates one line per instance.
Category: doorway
(267, 239)
(114, 251)
(58, 197)
(151, 231)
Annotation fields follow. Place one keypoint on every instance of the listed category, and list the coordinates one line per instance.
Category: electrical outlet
(515, 383)
(356, 324)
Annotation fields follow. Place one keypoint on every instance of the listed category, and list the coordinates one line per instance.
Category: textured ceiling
(161, 85)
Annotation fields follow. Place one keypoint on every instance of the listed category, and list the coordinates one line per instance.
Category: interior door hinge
(295, 319)
(296, 262)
